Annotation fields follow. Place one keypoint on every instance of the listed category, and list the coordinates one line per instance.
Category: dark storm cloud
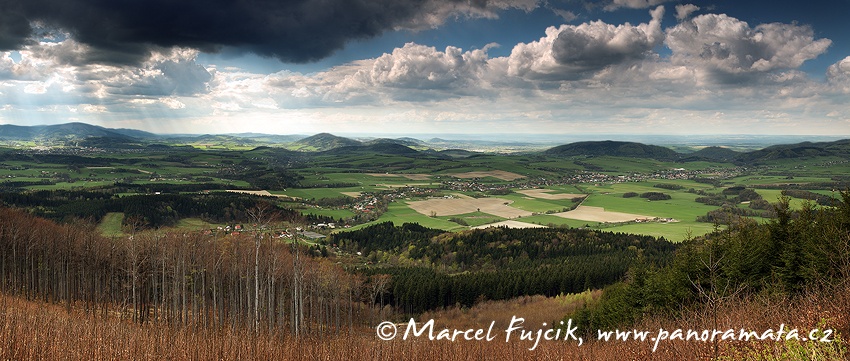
(125, 31)
(14, 27)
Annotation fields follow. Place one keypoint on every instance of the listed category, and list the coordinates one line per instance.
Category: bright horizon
(524, 67)
(545, 140)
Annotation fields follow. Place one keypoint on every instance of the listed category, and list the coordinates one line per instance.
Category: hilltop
(613, 148)
(715, 153)
(840, 148)
(324, 141)
(67, 131)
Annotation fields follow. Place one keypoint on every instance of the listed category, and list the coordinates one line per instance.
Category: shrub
(655, 196)
(669, 186)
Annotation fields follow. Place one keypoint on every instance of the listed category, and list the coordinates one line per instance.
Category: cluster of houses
(236, 229)
(474, 186)
(366, 204)
(655, 219)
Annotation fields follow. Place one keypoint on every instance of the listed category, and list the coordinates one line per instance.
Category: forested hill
(797, 251)
(613, 148)
(495, 247)
(326, 141)
(68, 130)
(715, 153)
(446, 268)
(840, 148)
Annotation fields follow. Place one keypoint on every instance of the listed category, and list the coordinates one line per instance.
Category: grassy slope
(475, 219)
(399, 213)
(681, 207)
(110, 226)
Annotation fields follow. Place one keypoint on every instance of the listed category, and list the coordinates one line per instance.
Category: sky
(568, 67)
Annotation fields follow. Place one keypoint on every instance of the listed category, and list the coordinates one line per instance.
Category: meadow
(535, 186)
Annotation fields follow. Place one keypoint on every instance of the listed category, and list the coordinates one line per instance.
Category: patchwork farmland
(454, 206)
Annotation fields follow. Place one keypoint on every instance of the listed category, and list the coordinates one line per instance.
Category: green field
(773, 195)
(399, 213)
(545, 220)
(536, 205)
(474, 219)
(195, 224)
(680, 207)
(317, 193)
(343, 176)
(771, 180)
(110, 226)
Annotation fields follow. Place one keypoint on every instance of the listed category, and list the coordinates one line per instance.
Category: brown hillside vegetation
(33, 330)
(535, 310)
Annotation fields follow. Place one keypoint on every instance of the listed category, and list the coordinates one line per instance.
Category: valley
(341, 180)
(324, 236)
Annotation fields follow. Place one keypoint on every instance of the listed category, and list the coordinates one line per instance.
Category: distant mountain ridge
(82, 134)
(839, 148)
(326, 141)
(67, 131)
(715, 153)
(613, 148)
(408, 142)
(380, 148)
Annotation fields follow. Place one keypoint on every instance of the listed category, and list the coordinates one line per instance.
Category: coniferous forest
(448, 268)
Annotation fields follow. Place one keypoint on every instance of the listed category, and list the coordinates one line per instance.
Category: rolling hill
(324, 141)
(68, 131)
(408, 142)
(714, 153)
(81, 134)
(613, 148)
(839, 148)
(380, 148)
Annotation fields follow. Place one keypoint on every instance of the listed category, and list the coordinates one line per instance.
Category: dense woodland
(246, 281)
(795, 252)
(144, 211)
(448, 268)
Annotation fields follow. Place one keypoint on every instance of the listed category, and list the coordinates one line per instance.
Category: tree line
(249, 281)
(794, 250)
(145, 211)
(431, 268)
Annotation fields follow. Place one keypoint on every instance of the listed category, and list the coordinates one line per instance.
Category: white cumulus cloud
(728, 47)
(839, 71)
(419, 66)
(684, 11)
(838, 75)
(570, 50)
